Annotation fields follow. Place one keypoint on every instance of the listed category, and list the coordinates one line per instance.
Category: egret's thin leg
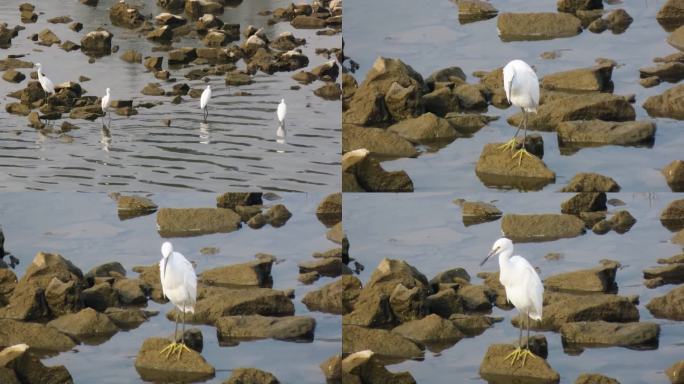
(521, 329)
(511, 144)
(528, 329)
(517, 352)
(526, 352)
(520, 153)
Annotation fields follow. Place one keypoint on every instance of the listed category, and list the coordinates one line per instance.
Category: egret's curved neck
(40, 73)
(505, 258)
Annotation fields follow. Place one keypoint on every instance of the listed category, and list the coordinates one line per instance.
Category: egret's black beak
(493, 252)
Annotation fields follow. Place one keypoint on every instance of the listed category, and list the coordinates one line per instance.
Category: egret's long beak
(491, 253)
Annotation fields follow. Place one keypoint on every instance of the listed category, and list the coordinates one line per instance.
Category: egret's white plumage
(204, 101)
(521, 85)
(104, 104)
(45, 83)
(282, 111)
(178, 279)
(524, 288)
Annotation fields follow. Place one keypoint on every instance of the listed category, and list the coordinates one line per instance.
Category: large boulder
(251, 274)
(671, 14)
(541, 227)
(35, 335)
(668, 104)
(597, 280)
(426, 128)
(152, 365)
(97, 43)
(337, 297)
(496, 167)
(537, 26)
(596, 78)
(251, 376)
(596, 132)
(292, 328)
(669, 305)
(124, 15)
(495, 369)
(591, 182)
(641, 335)
(84, 325)
(366, 367)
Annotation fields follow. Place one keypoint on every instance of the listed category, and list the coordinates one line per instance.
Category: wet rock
(182, 55)
(195, 221)
(196, 8)
(70, 46)
(238, 78)
(154, 366)
(251, 274)
(97, 43)
(162, 34)
(649, 82)
(391, 273)
(378, 141)
(596, 78)
(591, 182)
(496, 167)
(470, 11)
(286, 42)
(329, 210)
(676, 372)
(134, 206)
(8, 281)
(622, 221)
(468, 124)
(494, 369)
(150, 277)
(475, 297)
(47, 37)
(329, 91)
(671, 15)
(472, 325)
(671, 72)
(584, 202)
(307, 22)
(470, 97)
(304, 77)
(408, 304)
(26, 303)
(598, 279)
(450, 276)
(572, 6)
(476, 212)
(13, 76)
(674, 175)
(441, 101)
(257, 221)
(678, 238)
(641, 335)
(676, 38)
(597, 132)
(402, 102)
(328, 70)
(84, 325)
(173, 21)
(380, 341)
(326, 267)
(618, 20)
(430, 329)
(239, 302)
(251, 376)
(668, 306)
(29, 369)
(362, 173)
(595, 378)
(669, 274)
(89, 112)
(445, 303)
(233, 199)
(541, 227)
(332, 368)
(537, 26)
(6, 35)
(278, 215)
(424, 129)
(371, 311)
(100, 297)
(130, 291)
(337, 297)
(672, 216)
(364, 367)
(291, 328)
(76, 26)
(308, 278)
(37, 336)
(124, 15)
(153, 63)
(18, 109)
(336, 234)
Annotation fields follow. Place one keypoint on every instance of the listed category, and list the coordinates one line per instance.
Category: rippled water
(85, 229)
(426, 230)
(428, 36)
(236, 150)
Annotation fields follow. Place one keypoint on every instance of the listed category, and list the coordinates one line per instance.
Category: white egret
(104, 104)
(522, 90)
(204, 101)
(45, 83)
(524, 289)
(282, 111)
(179, 284)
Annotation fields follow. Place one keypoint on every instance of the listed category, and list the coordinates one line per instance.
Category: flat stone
(380, 341)
(597, 132)
(541, 227)
(537, 26)
(496, 167)
(494, 369)
(379, 141)
(641, 335)
(154, 366)
(289, 328)
(35, 335)
(196, 221)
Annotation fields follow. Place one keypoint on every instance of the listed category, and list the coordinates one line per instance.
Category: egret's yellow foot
(182, 347)
(174, 348)
(509, 145)
(519, 353)
(522, 152)
(526, 352)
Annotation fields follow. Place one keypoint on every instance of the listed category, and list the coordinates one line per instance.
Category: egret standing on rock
(179, 284)
(282, 111)
(45, 83)
(524, 290)
(105, 107)
(522, 90)
(204, 101)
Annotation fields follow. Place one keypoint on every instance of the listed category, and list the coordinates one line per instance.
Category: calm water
(236, 150)
(428, 36)
(85, 229)
(426, 230)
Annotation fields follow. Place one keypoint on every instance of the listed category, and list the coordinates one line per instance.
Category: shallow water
(426, 230)
(85, 229)
(427, 36)
(237, 150)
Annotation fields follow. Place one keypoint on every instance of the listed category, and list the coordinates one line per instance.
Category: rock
(669, 274)
(76, 26)
(572, 6)
(89, 112)
(37, 336)
(450, 276)
(251, 376)
(472, 325)
(154, 366)
(251, 274)
(13, 76)
(97, 43)
(537, 26)
(307, 22)
(124, 15)
(364, 367)
(35, 121)
(366, 174)
(380, 341)
(468, 124)
(47, 37)
(668, 306)
(408, 304)
(278, 215)
(541, 227)
(326, 267)
(470, 11)
(584, 202)
(442, 101)
(676, 372)
(672, 216)
(26, 303)
(290, 328)
(308, 278)
(591, 182)
(128, 318)
(332, 368)
(182, 55)
(595, 378)
(622, 221)
(493, 367)
(596, 79)
(671, 15)
(671, 72)
(639, 335)
(496, 167)
(601, 106)
(378, 141)
(196, 221)
(618, 20)
(173, 21)
(476, 212)
(163, 34)
(337, 297)
(329, 91)
(153, 63)
(29, 369)
(678, 238)
(674, 175)
(336, 234)
(599, 279)
(431, 329)
(18, 109)
(8, 280)
(134, 206)
(425, 129)
(233, 199)
(237, 79)
(100, 297)
(445, 303)
(130, 291)
(238, 302)
(649, 82)
(597, 132)
(476, 298)
(329, 210)
(6, 36)
(371, 311)
(84, 325)
(328, 70)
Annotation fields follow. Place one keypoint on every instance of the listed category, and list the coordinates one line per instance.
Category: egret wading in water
(282, 111)
(105, 107)
(45, 83)
(524, 290)
(179, 284)
(522, 90)
(204, 102)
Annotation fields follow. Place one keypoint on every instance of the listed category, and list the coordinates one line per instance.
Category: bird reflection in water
(204, 135)
(105, 139)
(281, 134)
